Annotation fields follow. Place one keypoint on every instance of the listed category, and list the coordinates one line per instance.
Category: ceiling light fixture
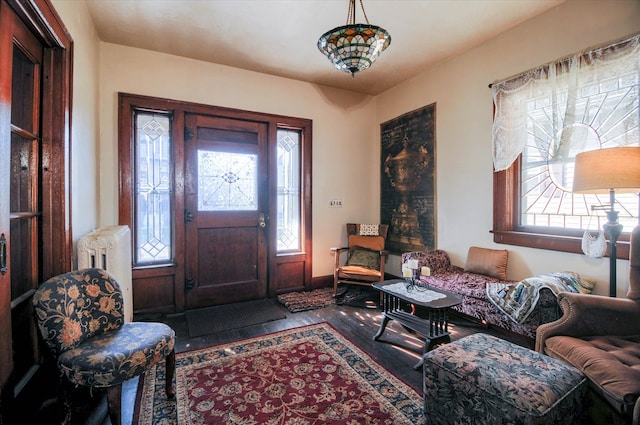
(354, 47)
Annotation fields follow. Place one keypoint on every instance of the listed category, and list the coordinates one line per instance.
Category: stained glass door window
(227, 181)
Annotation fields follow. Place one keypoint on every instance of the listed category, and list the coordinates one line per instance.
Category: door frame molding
(149, 296)
(42, 20)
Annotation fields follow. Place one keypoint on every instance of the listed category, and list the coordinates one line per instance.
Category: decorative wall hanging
(408, 180)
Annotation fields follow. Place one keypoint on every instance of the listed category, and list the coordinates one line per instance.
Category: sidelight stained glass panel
(288, 169)
(227, 181)
(153, 212)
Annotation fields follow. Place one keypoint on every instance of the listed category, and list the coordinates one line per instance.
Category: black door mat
(210, 320)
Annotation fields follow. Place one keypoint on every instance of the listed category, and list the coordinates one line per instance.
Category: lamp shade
(601, 170)
(353, 48)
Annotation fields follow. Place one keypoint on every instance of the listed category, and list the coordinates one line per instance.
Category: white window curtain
(561, 85)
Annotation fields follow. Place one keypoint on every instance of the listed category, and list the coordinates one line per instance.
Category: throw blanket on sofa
(518, 300)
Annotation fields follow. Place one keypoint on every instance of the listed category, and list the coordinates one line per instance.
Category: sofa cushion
(455, 279)
(490, 262)
(611, 363)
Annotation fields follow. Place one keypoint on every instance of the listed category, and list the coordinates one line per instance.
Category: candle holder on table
(411, 273)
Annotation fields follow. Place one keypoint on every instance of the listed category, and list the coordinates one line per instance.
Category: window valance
(563, 85)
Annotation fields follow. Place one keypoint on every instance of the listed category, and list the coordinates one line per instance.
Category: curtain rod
(564, 58)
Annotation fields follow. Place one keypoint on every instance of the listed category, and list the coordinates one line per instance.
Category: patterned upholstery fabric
(482, 379)
(117, 356)
(80, 317)
(472, 288)
(76, 306)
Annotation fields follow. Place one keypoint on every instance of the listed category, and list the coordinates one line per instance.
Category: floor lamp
(609, 171)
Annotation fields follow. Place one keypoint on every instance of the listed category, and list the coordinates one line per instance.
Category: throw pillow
(369, 230)
(364, 257)
(489, 262)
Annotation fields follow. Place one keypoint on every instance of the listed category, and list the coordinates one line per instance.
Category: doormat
(209, 320)
(307, 375)
(352, 295)
(307, 300)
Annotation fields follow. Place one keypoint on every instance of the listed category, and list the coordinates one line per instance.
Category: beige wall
(346, 141)
(343, 132)
(459, 87)
(85, 191)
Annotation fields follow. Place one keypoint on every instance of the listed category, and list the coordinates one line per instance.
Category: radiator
(109, 248)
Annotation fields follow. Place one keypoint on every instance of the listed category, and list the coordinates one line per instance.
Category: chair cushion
(75, 306)
(611, 363)
(372, 242)
(358, 273)
(116, 356)
(364, 257)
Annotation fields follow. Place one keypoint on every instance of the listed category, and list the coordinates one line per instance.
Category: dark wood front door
(226, 203)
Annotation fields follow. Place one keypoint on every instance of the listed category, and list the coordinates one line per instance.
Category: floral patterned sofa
(471, 286)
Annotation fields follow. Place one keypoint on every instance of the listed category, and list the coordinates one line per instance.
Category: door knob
(262, 222)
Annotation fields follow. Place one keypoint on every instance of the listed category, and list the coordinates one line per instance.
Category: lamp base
(612, 229)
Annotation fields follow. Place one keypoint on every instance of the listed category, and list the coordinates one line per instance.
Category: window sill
(553, 242)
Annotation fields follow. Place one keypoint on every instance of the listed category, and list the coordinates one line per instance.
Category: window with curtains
(543, 118)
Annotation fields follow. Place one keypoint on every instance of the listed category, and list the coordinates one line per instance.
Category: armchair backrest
(367, 236)
(75, 306)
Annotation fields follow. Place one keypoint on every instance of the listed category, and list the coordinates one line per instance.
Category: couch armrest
(591, 315)
(436, 259)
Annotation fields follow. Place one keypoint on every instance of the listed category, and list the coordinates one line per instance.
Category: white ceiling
(279, 37)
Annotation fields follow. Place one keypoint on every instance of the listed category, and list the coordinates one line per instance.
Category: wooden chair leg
(170, 372)
(114, 399)
(66, 390)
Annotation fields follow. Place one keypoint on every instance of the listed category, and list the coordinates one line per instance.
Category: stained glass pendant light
(354, 47)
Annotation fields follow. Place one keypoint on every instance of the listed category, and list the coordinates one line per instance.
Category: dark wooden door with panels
(234, 201)
(226, 210)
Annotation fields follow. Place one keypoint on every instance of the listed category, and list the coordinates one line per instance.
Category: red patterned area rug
(302, 376)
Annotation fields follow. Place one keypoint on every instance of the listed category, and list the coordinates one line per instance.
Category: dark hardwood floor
(397, 350)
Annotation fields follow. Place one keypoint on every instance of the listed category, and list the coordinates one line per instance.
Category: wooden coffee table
(398, 304)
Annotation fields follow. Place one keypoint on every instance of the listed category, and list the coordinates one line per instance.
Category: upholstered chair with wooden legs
(80, 316)
(362, 261)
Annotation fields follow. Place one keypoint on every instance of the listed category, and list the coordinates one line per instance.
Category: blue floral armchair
(80, 318)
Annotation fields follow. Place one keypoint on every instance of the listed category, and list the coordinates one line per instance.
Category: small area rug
(307, 300)
(356, 296)
(209, 320)
(309, 375)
